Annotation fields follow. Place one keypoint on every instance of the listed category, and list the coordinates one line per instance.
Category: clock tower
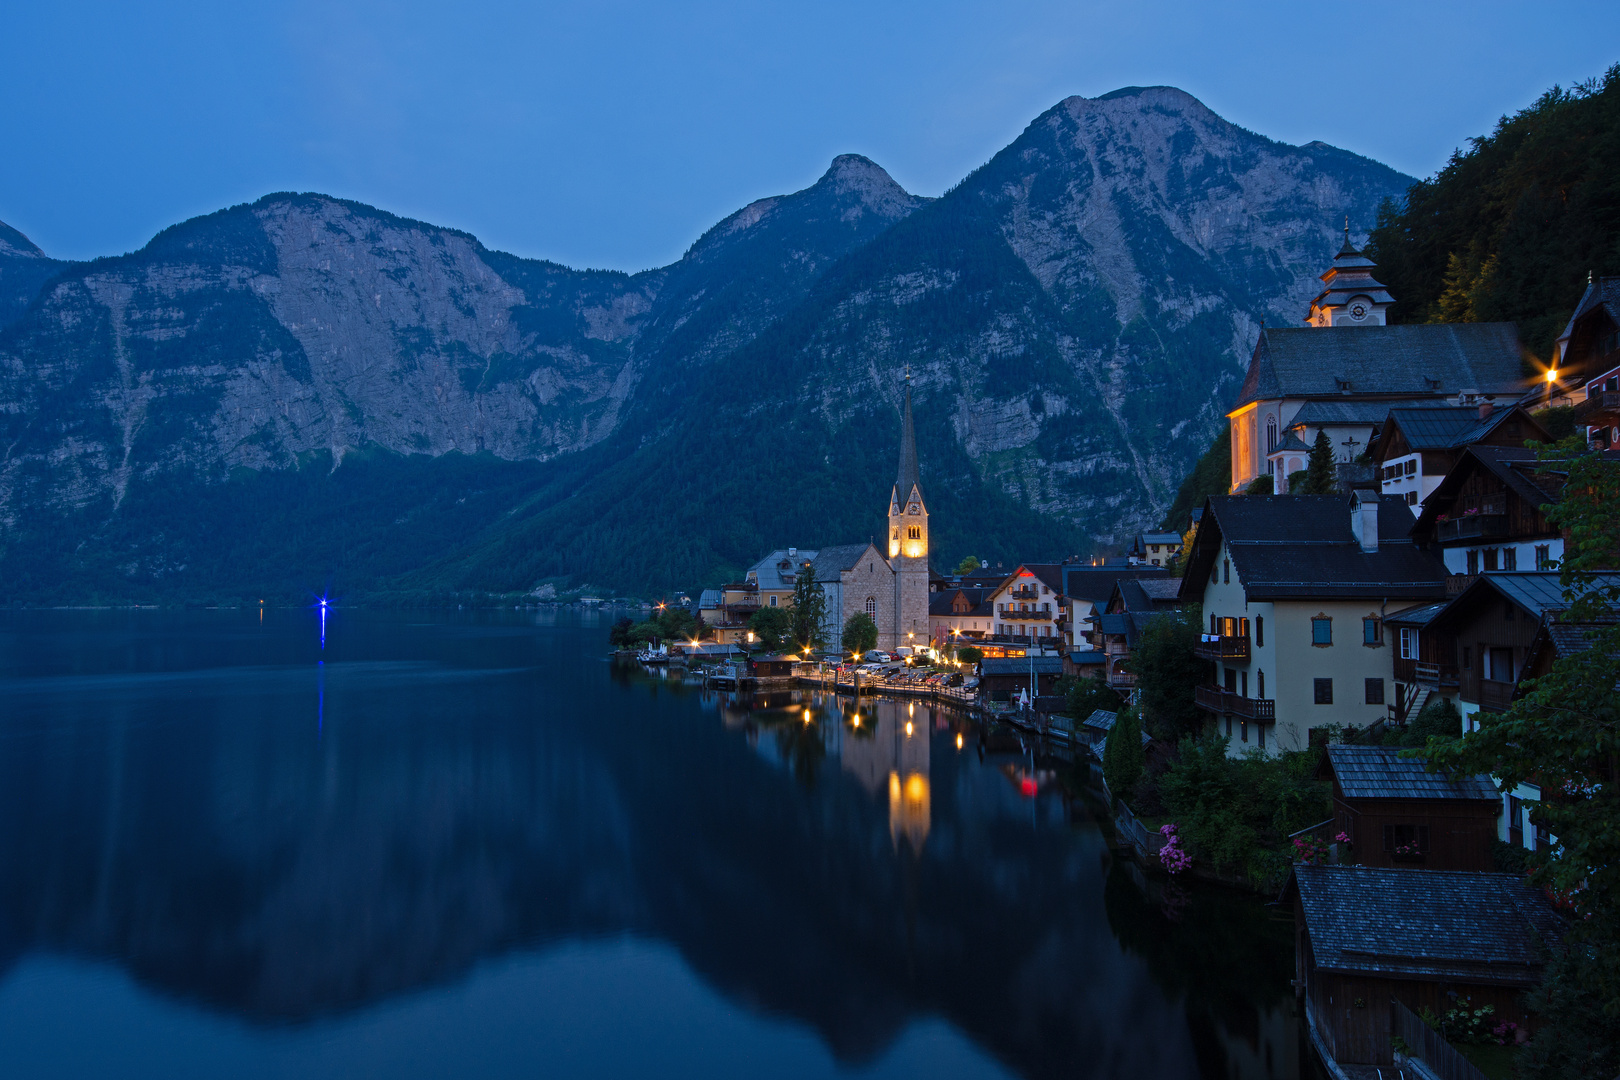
(1350, 295)
(908, 540)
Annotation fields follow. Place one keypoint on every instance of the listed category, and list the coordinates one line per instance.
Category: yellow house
(1295, 590)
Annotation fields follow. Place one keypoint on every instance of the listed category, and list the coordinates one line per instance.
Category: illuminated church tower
(908, 541)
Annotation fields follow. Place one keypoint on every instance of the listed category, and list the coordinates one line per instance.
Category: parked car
(879, 657)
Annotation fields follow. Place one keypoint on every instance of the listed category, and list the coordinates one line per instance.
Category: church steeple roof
(908, 477)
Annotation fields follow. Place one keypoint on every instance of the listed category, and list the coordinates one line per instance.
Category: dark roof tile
(1379, 772)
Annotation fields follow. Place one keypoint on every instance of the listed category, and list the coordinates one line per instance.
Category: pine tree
(1319, 478)
(1122, 753)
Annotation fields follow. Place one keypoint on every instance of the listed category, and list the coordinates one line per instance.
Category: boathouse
(1002, 678)
(1397, 814)
(1427, 938)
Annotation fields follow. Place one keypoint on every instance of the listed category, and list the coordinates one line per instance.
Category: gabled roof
(943, 603)
(1301, 546)
(1048, 574)
(1087, 658)
(830, 562)
(1426, 924)
(1020, 665)
(769, 570)
(1161, 538)
(1603, 293)
(1379, 772)
(709, 598)
(1096, 583)
(1418, 616)
(1414, 360)
(1516, 466)
(1447, 427)
(1101, 720)
(1355, 411)
(1161, 591)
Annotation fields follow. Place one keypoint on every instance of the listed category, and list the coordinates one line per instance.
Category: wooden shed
(1399, 815)
(1426, 938)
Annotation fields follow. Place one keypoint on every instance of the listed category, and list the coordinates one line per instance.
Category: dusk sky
(613, 134)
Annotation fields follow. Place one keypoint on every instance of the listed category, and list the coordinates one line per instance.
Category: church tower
(908, 540)
(1350, 295)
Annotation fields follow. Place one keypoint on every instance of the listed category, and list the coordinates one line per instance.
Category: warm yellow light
(959, 740)
(911, 708)
(1552, 375)
(807, 716)
(908, 729)
(857, 721)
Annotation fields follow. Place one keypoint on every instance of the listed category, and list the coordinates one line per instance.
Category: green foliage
(1509, 229)
(1463, 1023)
(772, 627)
(809, 612)
(619, 636)
(1319, 475)
(969, 654)
(1082, 697)
(968, 565)
(1123, 758)
(1579, 1039)
(1563, 734)
(1238, 812)
(860, 634)
(1296, 481)
(1167, 673)
(1439, 719)
(1558, 422)
(1260, 485)
(1211, 476)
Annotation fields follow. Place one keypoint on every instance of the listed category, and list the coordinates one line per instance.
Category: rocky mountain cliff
(321, 388)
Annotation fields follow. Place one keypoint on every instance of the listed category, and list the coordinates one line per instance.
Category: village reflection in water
(290, 832)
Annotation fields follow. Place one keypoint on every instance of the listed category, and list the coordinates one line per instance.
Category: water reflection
(483, 788)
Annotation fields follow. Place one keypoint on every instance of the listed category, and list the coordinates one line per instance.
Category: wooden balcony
(1122, 679)
(1481, 526)
(1436, 676)
(1598, 409)
(1495, 696)
(1210, 647)
(1220, 701)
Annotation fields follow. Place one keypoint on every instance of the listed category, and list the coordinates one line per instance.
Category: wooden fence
(1429, 1046)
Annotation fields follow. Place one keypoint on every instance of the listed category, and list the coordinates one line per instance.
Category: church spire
(908, 448)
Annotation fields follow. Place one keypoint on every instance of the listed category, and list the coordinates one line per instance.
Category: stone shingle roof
(1446, 427)
(1418, 616)
(1421, 360)
(1379, 772)
(833, 561)
(1426, 924)
(1020, 665)
(768, 571)
(1371, 411)
(1285, 546)
(1096, 583)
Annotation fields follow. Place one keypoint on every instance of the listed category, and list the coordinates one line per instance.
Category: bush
(1122, 753)
(969, 654)
(1260, 485)
(1082, 697)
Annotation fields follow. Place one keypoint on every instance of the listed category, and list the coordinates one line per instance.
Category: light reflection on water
(467, 844)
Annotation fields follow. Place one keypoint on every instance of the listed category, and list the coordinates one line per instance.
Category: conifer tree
(1319, 478)
(1122, 753)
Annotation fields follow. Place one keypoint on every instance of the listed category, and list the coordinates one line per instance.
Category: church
(891, 586)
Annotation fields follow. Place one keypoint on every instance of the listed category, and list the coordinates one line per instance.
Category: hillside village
(1385, 566)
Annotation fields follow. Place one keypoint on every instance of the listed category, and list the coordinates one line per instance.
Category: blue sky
(613, 134)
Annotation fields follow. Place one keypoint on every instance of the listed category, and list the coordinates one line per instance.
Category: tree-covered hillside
(1513, 224)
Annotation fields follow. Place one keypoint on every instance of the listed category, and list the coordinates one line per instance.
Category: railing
(1436, 676)
(1211, 647)
(1456, 583)
(1122, 678)
(1495, 696)
(1608, 401)
(1470, 526)
(1022, 594)
(1217, 700)
(1014, 613)
(1429, 1046)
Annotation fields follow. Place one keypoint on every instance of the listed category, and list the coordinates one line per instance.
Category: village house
(1417, 446)
(1588, 355)
(725, 611)
(960, 616)
(1422, 672)
(1397, 814)
(1156, 548)
(1005, 678)
(1346, 369)
(1029, 608)
(1295, 590)
(1364, 937)
(1486, 514)
(1117, 628)
(1088, 587)
(775, 576)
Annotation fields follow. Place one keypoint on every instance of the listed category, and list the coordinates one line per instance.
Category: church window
(914, 533)
(1271, 434)
(871, 605)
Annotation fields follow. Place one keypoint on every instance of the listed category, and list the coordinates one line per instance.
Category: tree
(1168, 674)
(1122, 753)
(1082, 697)
(1563, 734)
(676, 624)
(968, 565)
(970, 654)
(1211, 476)
(860, 634)
(772, 626)
(809, 612)
(619, 636)
(1319, 477)
(1260, 485)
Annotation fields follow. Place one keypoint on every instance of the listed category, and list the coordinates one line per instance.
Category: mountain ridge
(1073, 311)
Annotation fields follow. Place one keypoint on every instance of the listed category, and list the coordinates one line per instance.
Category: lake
(467, 844)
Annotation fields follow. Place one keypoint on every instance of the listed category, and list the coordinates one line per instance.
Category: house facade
(1486, 514)
(1397, 814)
(1030, 609)
(1295, 590)
(1417, 446)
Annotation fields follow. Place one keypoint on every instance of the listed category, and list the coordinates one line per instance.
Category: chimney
(1485, 409)
(1364, 518)
(793, 553)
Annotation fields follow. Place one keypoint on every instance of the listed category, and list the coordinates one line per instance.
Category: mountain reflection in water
(317, 853)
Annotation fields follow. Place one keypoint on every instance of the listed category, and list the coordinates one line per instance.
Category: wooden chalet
(1399, 815)
(1417, 446)
(1587, 350)
(1424, 669)
(1486, 514)
(1365, 937)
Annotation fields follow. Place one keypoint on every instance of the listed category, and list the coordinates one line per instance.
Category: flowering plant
(1342, 837)
(1172, 854)
(1310, 850)
(1507, 1033)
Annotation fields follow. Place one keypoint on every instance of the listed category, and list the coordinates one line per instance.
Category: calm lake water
(468, 845)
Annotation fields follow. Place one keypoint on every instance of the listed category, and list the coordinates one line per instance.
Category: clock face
(914, 509)
(1358, 311)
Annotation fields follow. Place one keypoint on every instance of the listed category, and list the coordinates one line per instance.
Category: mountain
(24, 268)
(307, 390)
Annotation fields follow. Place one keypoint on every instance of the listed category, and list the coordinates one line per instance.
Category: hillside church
(891, 587)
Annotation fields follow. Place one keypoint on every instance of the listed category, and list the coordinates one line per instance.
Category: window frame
(1321, 625)
(1322, 691)
(1372, 685)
